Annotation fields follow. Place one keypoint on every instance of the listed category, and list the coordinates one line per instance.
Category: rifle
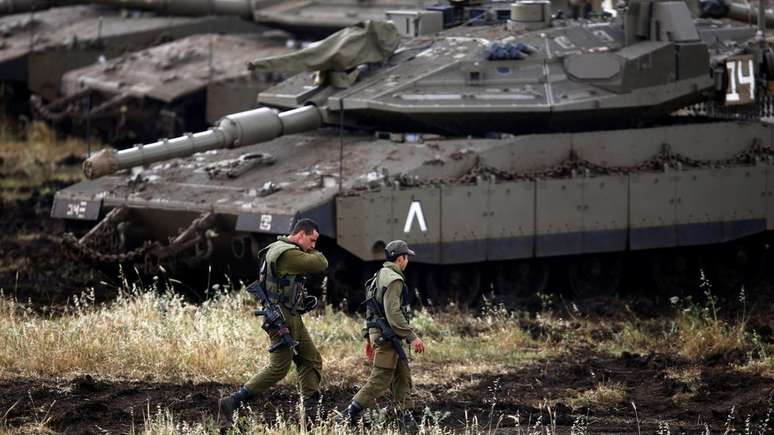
(273, 319)
(388, 334)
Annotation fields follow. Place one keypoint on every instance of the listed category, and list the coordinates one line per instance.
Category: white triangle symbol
(415, 211)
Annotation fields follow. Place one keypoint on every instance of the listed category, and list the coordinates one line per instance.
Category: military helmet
(397, 247)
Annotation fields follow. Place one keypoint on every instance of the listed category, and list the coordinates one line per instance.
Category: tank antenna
(760, 35)
(341, 141)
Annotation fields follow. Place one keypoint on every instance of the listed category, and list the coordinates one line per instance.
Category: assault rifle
(273, 319)
(388, 334)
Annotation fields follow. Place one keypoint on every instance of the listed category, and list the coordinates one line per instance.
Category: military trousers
(389, 373)
(308, 361)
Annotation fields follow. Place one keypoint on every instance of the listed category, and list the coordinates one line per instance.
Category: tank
(184, 85)
(191, 82)
(507, 155)
(37, 48)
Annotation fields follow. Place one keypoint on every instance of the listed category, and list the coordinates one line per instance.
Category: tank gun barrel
(735, 11)
(8, 7)
(746, 13)
(239, 8)
(240, 129)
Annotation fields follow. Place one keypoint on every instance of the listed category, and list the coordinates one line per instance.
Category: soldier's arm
(394, 315)
(298, 262)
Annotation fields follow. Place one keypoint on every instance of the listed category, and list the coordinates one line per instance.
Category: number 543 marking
(741, 80)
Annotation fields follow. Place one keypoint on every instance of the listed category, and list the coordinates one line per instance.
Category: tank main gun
(191, 8)
(240, 129)
(736, 11)
(8, 7)
(240, 8)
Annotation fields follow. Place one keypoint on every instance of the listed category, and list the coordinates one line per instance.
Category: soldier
(287, 260)
(390, 370)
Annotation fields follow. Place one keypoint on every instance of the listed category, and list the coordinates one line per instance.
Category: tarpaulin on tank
(372, 41)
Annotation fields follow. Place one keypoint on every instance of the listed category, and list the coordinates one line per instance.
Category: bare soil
(34, 267)
(88, 405)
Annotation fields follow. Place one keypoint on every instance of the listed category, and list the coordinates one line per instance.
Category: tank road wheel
(460, 284)
(519, 279)
(342, 283)
(733, 266)
(675, 273)
(590, 275)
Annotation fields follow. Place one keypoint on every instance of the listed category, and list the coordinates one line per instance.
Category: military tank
(505, 154)
(184, 85)
(191, 82)
(37, 48)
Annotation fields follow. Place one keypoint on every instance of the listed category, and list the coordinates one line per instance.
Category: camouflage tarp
(372, 41)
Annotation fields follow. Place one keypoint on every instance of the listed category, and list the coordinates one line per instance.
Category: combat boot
(227, 405)
(351, 415)
(315, 411)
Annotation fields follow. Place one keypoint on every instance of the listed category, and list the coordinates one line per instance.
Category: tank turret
(507, 79)
(371, 42)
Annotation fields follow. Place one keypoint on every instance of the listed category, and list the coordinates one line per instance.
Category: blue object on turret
(508, 51)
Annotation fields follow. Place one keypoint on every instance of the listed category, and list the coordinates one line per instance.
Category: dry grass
(163, 421)
(147, 334)
(762, 367)
(159, 336)
(153, 335)
(695, 333)
(689, 380)
(760, 359)
(700, 337)
(691, 336)
(28, 158)
(603, 395)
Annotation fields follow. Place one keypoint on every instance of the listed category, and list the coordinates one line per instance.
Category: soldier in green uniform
(389, 371)
(287, 260)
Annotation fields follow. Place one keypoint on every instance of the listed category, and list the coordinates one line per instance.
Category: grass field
(155, 336)
(31, 159)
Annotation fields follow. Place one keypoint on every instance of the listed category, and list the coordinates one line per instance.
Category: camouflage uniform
(290, 262)
(388, 371)
(286, 262)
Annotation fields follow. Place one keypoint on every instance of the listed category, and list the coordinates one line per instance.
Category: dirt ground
(87, 405)
(33, 267)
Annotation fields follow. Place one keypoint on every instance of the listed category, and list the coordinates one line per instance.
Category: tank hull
(526, 196)
(484, 214)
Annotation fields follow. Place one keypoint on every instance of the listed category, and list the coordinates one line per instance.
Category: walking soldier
(286, 262)
(387, 301)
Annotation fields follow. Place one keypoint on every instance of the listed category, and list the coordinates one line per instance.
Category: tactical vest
(377, 286)
(284, 289)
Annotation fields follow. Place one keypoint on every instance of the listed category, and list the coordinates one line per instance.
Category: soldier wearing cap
(389, 372)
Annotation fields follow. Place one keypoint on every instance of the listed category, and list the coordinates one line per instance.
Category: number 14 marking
(738, 80)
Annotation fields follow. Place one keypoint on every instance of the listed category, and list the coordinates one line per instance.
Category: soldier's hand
(418, 345)
(369, 351)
